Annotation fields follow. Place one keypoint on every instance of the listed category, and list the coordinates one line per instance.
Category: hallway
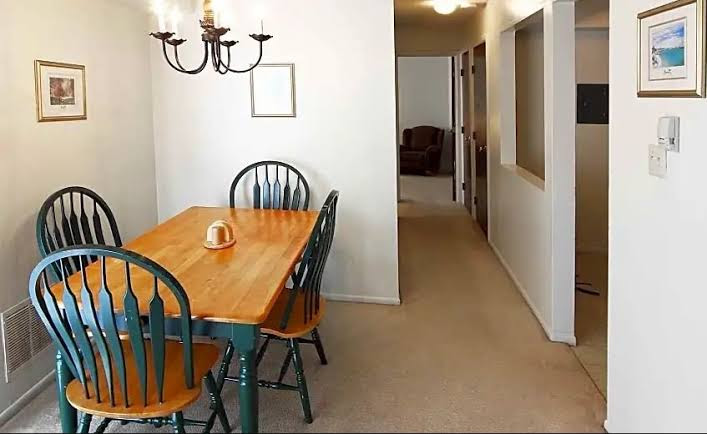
(462, 353)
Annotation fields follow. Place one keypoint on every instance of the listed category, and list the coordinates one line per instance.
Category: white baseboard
(553, 336)
(362, 299)
(25, 399)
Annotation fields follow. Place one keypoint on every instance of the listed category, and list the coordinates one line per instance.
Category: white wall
(343, 137)
(111, 152)
(531, 222)
(423, 39)
(424, 92)
(657, 237)
(592, 62)
(530, 96)
(592, 14)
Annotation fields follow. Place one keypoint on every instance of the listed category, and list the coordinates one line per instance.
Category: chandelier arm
(222, 68)
(178, 67)
(226, 65)
(252, 67)
(176, 59)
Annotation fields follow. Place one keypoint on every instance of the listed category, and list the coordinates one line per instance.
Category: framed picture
(272, 90)
(60, 89)
(671, 60)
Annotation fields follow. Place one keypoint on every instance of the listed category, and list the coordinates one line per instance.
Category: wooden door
(466, 130)
(479, 137)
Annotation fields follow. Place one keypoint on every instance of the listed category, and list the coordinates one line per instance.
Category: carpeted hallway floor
(462, 353)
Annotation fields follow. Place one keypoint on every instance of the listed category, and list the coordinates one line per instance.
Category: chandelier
(215, 49)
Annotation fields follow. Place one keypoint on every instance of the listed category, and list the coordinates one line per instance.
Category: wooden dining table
(231, 291)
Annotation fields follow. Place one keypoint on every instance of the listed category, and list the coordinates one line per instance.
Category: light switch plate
(657, 160)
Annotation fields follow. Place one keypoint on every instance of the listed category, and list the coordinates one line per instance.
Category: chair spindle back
(69, 320)
(75, 216)
(275, 185)
(308, 278)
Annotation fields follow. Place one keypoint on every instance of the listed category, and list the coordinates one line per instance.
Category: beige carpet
(592, 317)
(463, 353)
(426, 189)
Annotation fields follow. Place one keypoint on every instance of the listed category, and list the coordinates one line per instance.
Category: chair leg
(285, 365)
(85, 423)
(320, 347)
(225, 364)
(178, 422)
(301, 381)
(217, 403)
(103, 425)
(261, 352)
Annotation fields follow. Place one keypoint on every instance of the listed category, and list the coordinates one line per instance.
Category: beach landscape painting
(671, 50)
(668, 57)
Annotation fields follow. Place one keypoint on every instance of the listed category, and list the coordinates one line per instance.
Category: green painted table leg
(67, 413)
(245, 338)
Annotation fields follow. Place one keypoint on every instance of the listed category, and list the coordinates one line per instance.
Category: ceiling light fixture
(214, 48)
(445, 7)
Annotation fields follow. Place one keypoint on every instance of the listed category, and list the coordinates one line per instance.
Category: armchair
(421, 150)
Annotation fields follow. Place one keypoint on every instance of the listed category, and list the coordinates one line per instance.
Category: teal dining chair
(271, 185)
(74, 216)
(300, 309)
(255, 180)
(139, 377)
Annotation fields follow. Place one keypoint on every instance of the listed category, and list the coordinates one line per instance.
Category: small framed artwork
(60, 89)
(671, 60)
(272, 90)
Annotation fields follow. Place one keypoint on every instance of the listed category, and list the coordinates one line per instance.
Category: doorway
(426, 125)
(479, 138)
(592, 188)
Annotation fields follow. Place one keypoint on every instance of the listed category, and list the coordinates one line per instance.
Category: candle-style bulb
(161, 23)
(174, 18)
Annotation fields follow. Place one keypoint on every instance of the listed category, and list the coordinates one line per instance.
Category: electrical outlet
(657, 161)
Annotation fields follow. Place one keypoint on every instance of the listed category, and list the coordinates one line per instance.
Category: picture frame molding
(293, 96)
(38, 64)
(700, 49)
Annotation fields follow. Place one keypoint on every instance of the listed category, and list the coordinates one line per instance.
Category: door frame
(460, 155)
(473, 147)
(455, 93)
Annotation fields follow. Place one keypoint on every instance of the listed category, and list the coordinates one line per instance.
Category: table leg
(67, 413)
(245, 338)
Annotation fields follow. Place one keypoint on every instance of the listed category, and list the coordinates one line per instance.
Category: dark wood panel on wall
(593, 104)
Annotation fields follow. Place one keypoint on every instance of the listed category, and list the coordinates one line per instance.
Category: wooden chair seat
(296, 326)
(176, 395)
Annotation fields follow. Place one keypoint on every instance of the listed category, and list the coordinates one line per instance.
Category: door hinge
(473, 69)
(462, 130)
(473, 135)
(464, 186)
(476, 200)
(461, 72)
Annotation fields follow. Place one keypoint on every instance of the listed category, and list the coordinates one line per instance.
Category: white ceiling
(421, 12)
(142, 4)
(406, 11)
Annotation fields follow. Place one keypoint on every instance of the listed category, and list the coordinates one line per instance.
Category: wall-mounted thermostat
(669, 133)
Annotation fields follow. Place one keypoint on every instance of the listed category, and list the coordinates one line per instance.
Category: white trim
(555, 337)
(362, 299)
(606, 426)
(25, 399)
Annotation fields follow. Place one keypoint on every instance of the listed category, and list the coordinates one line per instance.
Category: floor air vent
(23, 336)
